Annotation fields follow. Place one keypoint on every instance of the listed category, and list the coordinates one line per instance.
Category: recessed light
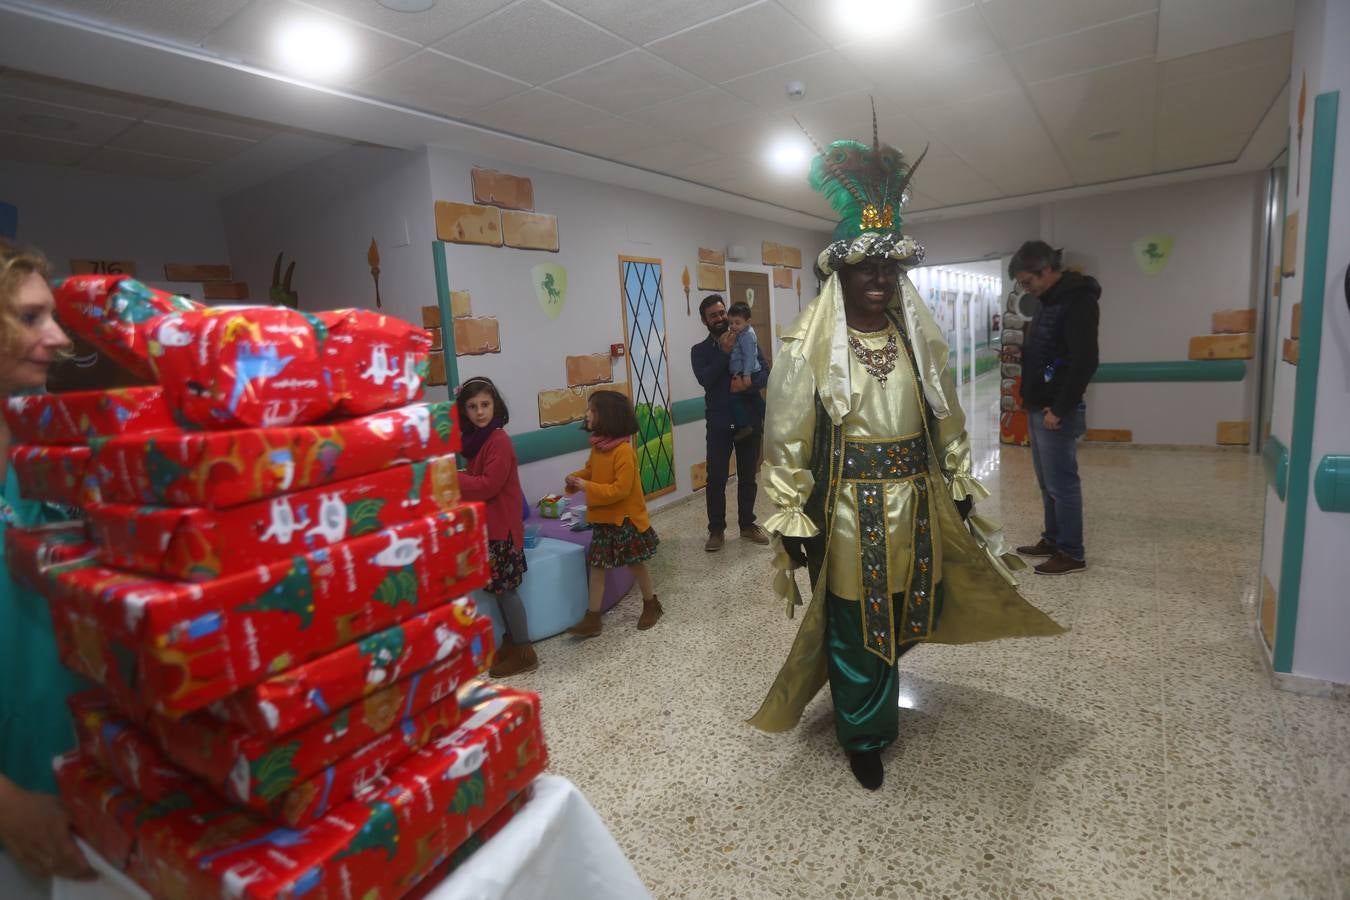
(47, 123)
(1104, 135)
(874, 19)
(407, 6)
(789, 156)
(315, 48)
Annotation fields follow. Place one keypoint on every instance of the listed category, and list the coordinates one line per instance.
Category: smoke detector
(796, 90)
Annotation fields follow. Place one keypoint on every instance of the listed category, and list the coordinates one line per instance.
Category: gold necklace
(879, 363)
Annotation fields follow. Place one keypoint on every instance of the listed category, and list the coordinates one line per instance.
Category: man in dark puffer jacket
(1059, 358)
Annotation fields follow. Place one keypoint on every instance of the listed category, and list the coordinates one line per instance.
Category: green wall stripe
(1178, 370)
(546, 443)
(1325, 110)
(682, 412)
(447, 318)
(1275, 457)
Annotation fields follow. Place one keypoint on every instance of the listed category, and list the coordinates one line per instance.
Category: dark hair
(1033, 256)
(614, 415)
(740, 310)
(707, 302)
(472, 388)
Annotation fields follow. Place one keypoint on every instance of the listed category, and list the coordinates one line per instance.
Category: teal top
(35, 724)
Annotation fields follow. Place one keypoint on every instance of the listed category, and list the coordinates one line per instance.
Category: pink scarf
(604, 443)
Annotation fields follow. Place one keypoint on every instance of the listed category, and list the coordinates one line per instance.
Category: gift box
(311, 691)
(55, 474)
(375, 361)
(227, 468)
(480, 837)
(30, 553)
(78, 417)
(241, 366)
(122, 750)
(176, 647)
(381, 844)
(552, 506)
(198, 544)
(109, 310)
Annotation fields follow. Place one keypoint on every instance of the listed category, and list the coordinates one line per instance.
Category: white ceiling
(1008, 94)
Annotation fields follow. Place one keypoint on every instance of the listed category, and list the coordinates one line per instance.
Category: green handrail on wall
(1275, 457)
(1179, 370)
(1331, 483)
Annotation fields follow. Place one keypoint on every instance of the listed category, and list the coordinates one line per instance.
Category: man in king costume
(867, 460)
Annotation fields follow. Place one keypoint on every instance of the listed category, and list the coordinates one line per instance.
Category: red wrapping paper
(480, 837)
(381, 844)
(78, 417)
(375, 361)
(176, 647)
(227, 468)
(241, 366)
(198, 544)
(109, 310)
(30, 553)
(55, 474)
(310, 691)
(123, 750)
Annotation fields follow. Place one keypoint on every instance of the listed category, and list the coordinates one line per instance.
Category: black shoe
(866, 768)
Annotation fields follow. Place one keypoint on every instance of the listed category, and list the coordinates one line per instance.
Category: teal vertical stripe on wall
(447, 317)
(1325, 110)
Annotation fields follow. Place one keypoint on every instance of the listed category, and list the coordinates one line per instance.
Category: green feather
(850, 175)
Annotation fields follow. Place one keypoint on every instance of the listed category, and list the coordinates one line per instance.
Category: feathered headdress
(866, 187)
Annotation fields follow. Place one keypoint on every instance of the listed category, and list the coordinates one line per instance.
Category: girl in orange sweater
(621, 535)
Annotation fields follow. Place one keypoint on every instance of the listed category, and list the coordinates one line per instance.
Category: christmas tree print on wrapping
(172, 803)
(419, 474)
(379, 832)
(440, 420)
(399, 586)
(472, 791)
(364, 516)
(381, 650)
(162, 470)
(273, 771)
(293, 594)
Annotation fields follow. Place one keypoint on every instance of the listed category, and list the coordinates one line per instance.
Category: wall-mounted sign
(103, 267)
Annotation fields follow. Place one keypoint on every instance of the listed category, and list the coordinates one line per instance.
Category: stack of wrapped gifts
(268, 590)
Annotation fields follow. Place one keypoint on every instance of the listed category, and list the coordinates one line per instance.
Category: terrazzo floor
(1142, 754)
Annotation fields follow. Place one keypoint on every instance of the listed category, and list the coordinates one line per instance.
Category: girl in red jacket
(493, 477)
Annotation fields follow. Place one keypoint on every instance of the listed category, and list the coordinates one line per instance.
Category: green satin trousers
(864, 687)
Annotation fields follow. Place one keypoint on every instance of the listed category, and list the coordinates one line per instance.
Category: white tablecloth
(556, 847)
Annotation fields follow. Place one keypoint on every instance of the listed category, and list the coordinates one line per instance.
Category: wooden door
(753, 289)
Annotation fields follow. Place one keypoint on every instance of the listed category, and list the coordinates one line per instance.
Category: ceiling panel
(822, 17)
(1187, 27)
(700, 113)
(1275, 50)
(538, 113)
(977, 78)
(1001, 138)
(629, 82)
(68, 93)
(533, 41)
(185, 143)
(949, 181)
(177, 20)
(250, 37)
(435, 82)
(111, 161)
(755, 38)
(269, 158)
(726, 169)
(1175, 150)
(1019, 22)
(825, 75)
(670, 155)
(62, 123)
(424, 27)
(1232, 102)
(216, 123)
(642, 21)
(850, 118)
(26, 148)
(611, 136)
(931, 46)
(1082, 51)
(1119, 98)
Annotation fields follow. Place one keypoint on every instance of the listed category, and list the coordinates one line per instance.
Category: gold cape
(980, 600)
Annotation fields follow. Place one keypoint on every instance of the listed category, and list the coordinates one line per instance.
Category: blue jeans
(1054, 454)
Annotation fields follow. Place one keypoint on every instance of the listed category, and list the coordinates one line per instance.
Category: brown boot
(1040, 548)
(514, 659)
(651, 611)
(589, 626)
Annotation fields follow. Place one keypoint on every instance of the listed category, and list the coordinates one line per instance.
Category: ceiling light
(789, 156)
(1104, 135)
(874, 19)
(47, 123)
(408, 6)
(315, 48)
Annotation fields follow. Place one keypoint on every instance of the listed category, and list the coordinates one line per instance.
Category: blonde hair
(17, 264)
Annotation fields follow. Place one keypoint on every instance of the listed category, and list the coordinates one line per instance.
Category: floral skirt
(613, 546)
(508, 566)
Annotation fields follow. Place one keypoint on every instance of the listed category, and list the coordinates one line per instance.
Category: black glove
(965, 506)
(795, 548)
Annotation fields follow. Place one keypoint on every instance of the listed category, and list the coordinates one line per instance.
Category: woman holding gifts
(616, 508)
(493, 477)
(34, 723)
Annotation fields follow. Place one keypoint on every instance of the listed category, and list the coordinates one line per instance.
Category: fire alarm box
(616, 350)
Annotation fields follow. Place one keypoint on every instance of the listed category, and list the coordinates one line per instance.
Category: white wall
(596, 224)
(976, 237)
(73, 214)
(323, 217)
